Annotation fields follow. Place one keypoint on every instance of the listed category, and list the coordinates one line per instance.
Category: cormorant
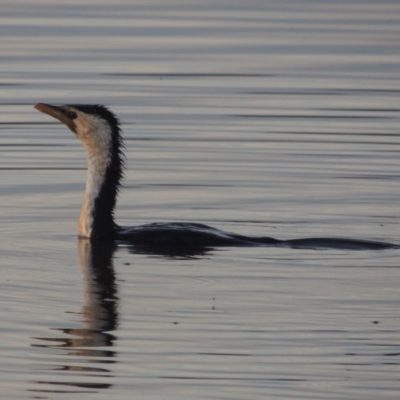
(100, 133)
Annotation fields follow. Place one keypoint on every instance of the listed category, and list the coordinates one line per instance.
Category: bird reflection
(100, 306)
(93, 342)
(91, 345)
(172, 252)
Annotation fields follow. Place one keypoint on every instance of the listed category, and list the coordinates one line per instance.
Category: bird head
(94, 125)
(98, 129)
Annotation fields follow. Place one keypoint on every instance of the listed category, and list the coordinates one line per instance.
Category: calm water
(275, 118)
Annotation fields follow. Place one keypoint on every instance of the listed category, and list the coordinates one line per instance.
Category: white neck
(98, 159)
(94, 181)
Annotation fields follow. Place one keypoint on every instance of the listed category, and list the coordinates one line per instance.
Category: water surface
(262, 118)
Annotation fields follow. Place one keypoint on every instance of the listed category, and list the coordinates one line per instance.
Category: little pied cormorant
(100, 133)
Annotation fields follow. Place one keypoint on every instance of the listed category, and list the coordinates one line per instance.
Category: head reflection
(84, 354)
(90, 345)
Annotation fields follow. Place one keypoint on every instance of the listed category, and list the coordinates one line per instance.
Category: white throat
(95, 135)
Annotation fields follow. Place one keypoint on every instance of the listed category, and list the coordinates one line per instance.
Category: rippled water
(262, 118)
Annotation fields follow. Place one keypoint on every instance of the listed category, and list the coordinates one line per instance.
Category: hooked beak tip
(40, 107)
(57, 113)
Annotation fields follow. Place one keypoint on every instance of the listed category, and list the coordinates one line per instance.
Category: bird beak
(57, 112)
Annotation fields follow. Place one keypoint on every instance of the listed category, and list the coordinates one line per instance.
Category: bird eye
(71, 115)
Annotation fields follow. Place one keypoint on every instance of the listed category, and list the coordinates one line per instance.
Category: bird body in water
(100, 133)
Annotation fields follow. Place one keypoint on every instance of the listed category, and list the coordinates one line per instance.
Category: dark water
(262, 118)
